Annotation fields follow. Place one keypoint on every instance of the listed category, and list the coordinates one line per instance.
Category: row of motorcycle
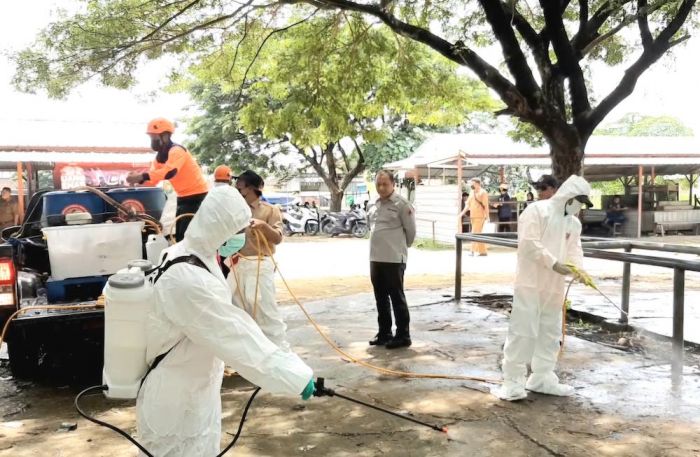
(306, 220)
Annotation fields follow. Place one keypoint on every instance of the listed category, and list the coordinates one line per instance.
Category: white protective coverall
(179, 405)
(545, 236)
(245, 282)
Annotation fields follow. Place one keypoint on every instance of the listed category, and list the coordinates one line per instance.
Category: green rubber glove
(309, 390)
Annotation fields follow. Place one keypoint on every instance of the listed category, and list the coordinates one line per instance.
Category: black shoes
(381, 340)
(399, 342)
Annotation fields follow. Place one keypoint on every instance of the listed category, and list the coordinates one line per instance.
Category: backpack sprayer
(129, 296)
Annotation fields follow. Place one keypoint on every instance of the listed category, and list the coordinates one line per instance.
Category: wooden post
(653, 175)
(501, 174)
(640, 184)
(691, 182)
(20, 191)
(459, 192)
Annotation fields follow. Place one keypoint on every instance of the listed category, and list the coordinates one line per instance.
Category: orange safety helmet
(160, 125)
(222, 173)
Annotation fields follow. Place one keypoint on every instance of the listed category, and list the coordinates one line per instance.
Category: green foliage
(305, 95)
(399, 145)
(218, 139)
(342, 76)
(635, 124)
(430, 245)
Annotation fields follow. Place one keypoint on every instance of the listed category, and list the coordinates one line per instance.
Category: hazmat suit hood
(572, 187)
(223, 213)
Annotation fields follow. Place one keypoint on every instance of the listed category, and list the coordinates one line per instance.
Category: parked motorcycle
(300, 220)
(352, 222)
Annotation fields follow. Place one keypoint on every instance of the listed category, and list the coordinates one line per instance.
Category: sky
(93, 115)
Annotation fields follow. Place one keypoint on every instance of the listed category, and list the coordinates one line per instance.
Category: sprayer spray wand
(323, 391)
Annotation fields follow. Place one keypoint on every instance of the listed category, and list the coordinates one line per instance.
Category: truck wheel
(24, 358)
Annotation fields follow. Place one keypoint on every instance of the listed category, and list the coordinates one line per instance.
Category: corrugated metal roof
(64, 154)
(443, 150)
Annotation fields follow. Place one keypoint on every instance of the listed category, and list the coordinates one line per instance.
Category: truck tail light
(7, 282)
(7, 272)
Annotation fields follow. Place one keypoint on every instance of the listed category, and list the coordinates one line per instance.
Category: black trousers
(189, 204)
(387, 281)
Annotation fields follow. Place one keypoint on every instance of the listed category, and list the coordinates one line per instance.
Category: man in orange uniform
(222, 176)
(175, 164)
(478, 207)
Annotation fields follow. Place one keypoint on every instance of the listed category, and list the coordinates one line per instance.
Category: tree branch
(356, 170)
(643, 21)
(627, 83)
(346, 160)
(676, 23)
(627, 20)
(269, 35)
(514, 58)
(168, 21)
(566, 59)
(599, 18)
(456, 52)
(315, 164)
(582, 15)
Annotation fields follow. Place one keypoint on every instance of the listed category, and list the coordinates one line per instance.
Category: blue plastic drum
(58, 204)
(143, 200)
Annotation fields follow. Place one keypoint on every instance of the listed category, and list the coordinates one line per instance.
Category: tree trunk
(337, 200)
(566, 150)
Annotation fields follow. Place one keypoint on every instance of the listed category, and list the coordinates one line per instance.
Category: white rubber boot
(509, 391)
(548, 384)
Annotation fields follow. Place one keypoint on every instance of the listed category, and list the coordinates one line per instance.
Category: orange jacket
(181, 169)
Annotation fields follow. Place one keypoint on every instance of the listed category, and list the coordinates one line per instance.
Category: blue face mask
(233, 245)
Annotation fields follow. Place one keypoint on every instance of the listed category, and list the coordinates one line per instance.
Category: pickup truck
(59, 343)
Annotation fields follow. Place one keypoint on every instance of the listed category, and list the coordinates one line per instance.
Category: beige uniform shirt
(478, 203)
(265, 212)
(393, 224)
(8, 213)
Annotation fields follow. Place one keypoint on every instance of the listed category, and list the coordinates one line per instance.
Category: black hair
(252, 179)
(389, 174)
(6, 189)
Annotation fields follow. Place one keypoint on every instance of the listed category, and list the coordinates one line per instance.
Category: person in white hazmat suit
(179, 404)
(549, 237)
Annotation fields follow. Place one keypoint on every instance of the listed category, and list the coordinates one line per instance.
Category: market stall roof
(10, 155)
(607, 157)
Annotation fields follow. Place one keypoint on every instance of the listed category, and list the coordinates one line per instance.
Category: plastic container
(79, 218)
(77, 251)
(154, 247)
(148, 200)
(58, 204)
(128, 300)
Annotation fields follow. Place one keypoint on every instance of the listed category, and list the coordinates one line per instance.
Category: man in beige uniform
(9, 213)
(393, 231)
(252, 292)
(478, 207)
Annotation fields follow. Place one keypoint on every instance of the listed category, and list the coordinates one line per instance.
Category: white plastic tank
(154, 247)
(128, 300)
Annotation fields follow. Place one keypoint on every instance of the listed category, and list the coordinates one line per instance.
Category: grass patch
(430, 245)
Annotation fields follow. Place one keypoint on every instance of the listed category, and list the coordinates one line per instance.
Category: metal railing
(597, 248)
(428, 220)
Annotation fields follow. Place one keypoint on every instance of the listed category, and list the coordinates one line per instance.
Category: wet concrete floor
(626, 404)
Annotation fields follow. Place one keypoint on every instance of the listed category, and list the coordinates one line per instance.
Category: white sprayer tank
(128, 300)
(154, 247)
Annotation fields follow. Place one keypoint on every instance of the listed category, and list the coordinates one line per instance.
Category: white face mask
(573, 207)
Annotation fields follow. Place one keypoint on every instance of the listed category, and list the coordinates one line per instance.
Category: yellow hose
(171, 235)
(405, 374)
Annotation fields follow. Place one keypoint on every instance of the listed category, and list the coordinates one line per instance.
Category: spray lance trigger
(322, 390)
